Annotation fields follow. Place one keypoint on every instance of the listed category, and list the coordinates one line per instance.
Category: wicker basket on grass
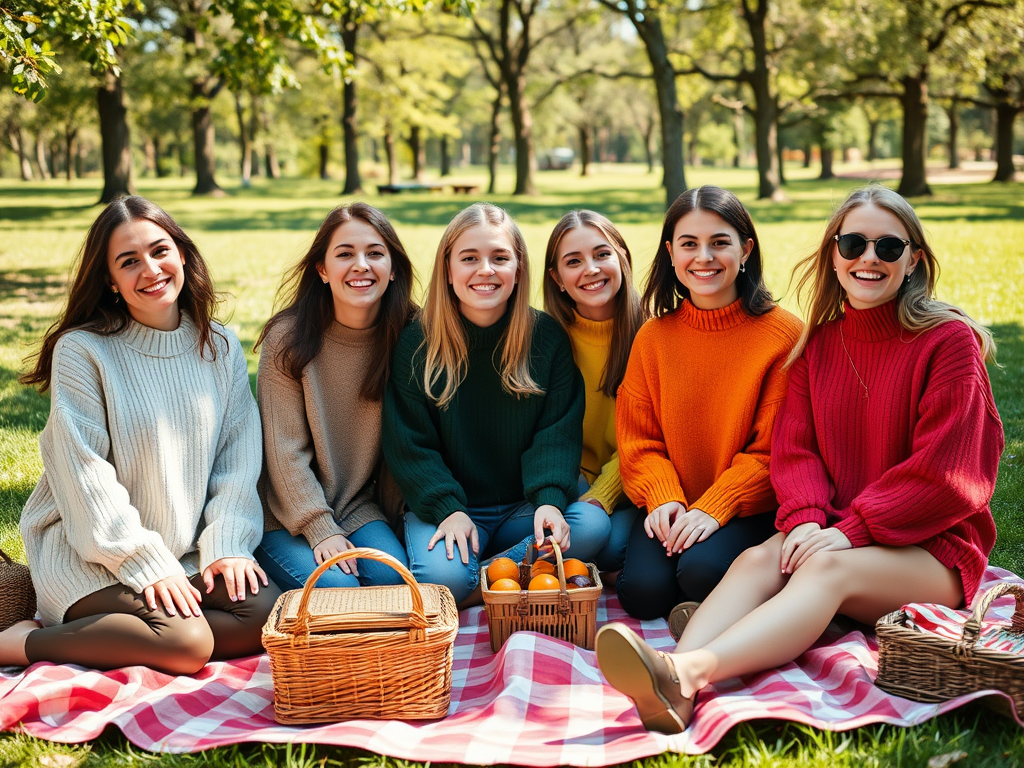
(362, 652)
(563, 613)
(17, 595)
(925, 667)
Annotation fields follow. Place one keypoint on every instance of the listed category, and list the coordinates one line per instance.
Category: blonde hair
(444, 339)
(917, 308)
(629, 314)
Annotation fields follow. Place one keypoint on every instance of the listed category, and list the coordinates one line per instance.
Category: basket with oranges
(558, 599)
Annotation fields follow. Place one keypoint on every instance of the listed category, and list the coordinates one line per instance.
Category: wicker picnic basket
(362, 652)
(17, 595)
(563, 614)
(925, 667)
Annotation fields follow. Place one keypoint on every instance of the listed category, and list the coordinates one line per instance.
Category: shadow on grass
(32, 284)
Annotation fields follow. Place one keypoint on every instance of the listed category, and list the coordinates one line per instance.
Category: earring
(561, 288)
(392, 277)
(117, 295)
(743, 267)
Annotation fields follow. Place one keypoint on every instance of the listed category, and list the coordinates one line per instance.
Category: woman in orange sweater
(696, 408)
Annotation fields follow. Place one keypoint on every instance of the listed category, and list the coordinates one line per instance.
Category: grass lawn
(251, 236)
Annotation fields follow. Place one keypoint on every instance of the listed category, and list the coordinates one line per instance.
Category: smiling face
(589, 271)
(707, 254)
(146, 270)
(482, 270)
(357, 266)
(869, 281)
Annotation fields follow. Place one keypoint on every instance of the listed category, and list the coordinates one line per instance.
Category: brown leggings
(115, 628)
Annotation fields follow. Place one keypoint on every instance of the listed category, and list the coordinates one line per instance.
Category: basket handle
(563, 592)
(6, 557)
(972, 627)
(417, 616)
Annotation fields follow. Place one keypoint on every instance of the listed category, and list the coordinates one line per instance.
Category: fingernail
(234, 598)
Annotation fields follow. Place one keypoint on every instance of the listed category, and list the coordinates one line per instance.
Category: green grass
(252, 236)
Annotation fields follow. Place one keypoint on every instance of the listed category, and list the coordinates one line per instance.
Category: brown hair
(664, 292)
(310, 303)
(917, 308)
(91, 303)
(629, 314)
(444, 339)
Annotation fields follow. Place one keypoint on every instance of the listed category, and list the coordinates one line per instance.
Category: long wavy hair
(664, 293)
(819, 289)
(445, 346)
(309, 302)
(629, 314)
(93, 306)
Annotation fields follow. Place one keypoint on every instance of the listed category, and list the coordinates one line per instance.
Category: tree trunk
(648, 26)
(349, 124)
(389, 150)
(69, 150)
(203, 139)
(271, 162)
(494, 141)
(18, 145)
(446, 159)
(826, 164)
(522, 127)
(148, 157)
(416, 142)
(737, 136)
(765, 109)
(953, 113)
(117, 149)
(325, 151)
(41, 161)
(648, 133)
(161, 171)
(872, 140)
(244, 144)
(779, 149)
(914, 99)
(1006, 114)
(585, 149)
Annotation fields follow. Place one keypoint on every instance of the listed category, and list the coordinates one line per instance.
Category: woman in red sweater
(884, 459)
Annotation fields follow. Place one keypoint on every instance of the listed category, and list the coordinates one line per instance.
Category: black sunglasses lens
(889, 248)
(851, 246)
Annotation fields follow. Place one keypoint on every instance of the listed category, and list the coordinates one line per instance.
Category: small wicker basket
(17, 595)
(563, 614)
(362, 652)
(925, 667)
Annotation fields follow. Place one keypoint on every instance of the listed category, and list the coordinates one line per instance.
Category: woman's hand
(335, 545)
(690, 527)
(808, 538)
(457, 528)
(548, 516)
(659, 521)
(236, 572)
(175, 593)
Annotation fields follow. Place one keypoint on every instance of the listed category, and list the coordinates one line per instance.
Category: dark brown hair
(664, 292)
(629, 314)
(91, 303)
(310, 302)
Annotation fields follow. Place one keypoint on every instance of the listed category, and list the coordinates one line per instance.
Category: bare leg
(754, 577)
(12, 643)
(864, 584)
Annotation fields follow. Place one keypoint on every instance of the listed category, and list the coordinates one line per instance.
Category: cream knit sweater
(150, 460)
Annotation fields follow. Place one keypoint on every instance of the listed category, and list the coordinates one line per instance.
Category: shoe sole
(623, 667)
(680, 617)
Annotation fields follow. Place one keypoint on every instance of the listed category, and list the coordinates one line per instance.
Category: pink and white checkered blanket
(538, 702)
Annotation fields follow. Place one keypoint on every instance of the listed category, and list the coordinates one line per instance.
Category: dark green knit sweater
(487, 447)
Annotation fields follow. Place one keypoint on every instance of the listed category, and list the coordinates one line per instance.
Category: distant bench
(415, 186)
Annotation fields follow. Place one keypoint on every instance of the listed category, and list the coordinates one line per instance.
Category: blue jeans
(499, 528)
(288, 560)
(621, 520)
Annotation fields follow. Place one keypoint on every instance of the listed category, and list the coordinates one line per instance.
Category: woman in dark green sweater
(483, 413)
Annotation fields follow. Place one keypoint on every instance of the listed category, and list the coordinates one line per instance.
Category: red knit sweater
(914, 461)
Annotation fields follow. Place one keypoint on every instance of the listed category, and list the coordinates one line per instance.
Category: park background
(249, 120)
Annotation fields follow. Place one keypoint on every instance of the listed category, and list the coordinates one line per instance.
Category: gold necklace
(852, 364)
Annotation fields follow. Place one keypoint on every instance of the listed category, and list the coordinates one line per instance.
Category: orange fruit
(505, 585)
(574, 567)
(502, 568)
(543, 581)
(542, 566)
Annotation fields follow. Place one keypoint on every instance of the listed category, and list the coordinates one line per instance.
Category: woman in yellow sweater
(588, 289)
(696, 407)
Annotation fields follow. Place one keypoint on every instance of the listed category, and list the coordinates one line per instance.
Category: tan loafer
(643, 674)
(680, 617)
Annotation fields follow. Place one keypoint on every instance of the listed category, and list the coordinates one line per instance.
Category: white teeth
(867, 275)
(484, 287)
(155, 286)
(704, 273)
(594, 286)
(360, 283)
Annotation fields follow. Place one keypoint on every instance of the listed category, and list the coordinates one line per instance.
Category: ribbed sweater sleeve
(300, 504)
(233, 513)
(954, 457)
(607, 487)
(413, 447)
(551, 463)
(102, 525)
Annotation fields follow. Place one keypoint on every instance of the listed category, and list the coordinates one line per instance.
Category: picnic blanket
(537, 702)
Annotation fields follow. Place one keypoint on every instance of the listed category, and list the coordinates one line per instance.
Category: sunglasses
(888, 248)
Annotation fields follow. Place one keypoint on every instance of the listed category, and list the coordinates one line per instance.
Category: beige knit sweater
(322, 457)
(150, 461)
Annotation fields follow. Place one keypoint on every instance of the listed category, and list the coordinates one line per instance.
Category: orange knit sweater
(695, 411)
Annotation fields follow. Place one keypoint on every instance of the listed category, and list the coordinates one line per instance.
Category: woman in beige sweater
(325, 360)
(141, 530)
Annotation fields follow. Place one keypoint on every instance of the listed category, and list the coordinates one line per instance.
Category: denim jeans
(289, 561)
(499, 528)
